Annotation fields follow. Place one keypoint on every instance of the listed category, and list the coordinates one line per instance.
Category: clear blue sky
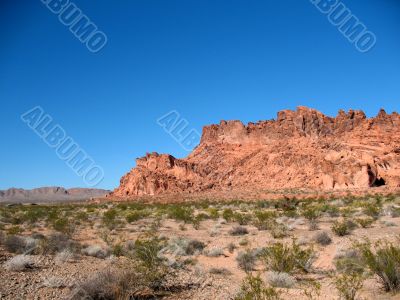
(207, 59)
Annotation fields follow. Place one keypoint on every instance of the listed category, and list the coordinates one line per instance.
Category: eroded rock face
(300, 149)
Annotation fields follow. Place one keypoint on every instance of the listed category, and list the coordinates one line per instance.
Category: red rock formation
(301, 149)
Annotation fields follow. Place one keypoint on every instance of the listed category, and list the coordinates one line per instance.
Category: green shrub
(382, 259)
(365, 222)
(242, 219)
(264, 219)
(82, 216)
(340, 228)
(348, 285)
(109, 218)
(311, 213)
(227, 214)
(372, 210)
(333, 211)
(118, 250)
(32, 215)
(288, 258)
(253, 288)
(213, 213)
(146, 252)
(64, 225)
(347, 212)
(136, 216)
(181, 213)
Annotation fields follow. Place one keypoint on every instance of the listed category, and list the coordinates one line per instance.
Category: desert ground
(343, 247)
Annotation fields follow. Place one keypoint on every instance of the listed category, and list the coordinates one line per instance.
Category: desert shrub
(64, 256)
(64, 225)
(14, 230)
(194, 246)
(118, 250)
(313, 225)
(288, 258)
(281, 280)
(146, 251)
(213, 213)
(253, 288)
(383, 261)
(181, 213)
(82, 216)
(348, 261)
(220, 271)
(110, 218)
(238, 230)
(365, 222)
(56, 243)
(372, 210)
(340, 228)
(244, 242)
(246, 260)
(347, 212)
(213, 252)
(395, 212)
(15, 244)
(311, 213)
(197, 220)
(231, 247)
(287, 204)
(107, 284)
(323, 238)
(32, 215)
(264, 219)
(277, 230)
(241, 218)
(96, 251)
(348, 285)
(128, 281)
(19, 263)
(182, 246)
(227, 214)
(333, 211)
(2, 237)
(136, 215)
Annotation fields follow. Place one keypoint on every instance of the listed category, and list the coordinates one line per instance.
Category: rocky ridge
(300, 149)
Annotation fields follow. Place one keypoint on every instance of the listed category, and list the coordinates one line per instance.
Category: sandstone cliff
(300, 149)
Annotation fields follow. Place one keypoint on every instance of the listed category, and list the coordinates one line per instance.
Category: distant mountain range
(49, 194)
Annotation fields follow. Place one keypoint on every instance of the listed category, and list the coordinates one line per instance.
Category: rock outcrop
(300, 149)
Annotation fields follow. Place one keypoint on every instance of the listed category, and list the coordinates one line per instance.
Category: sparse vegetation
(148, 256)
